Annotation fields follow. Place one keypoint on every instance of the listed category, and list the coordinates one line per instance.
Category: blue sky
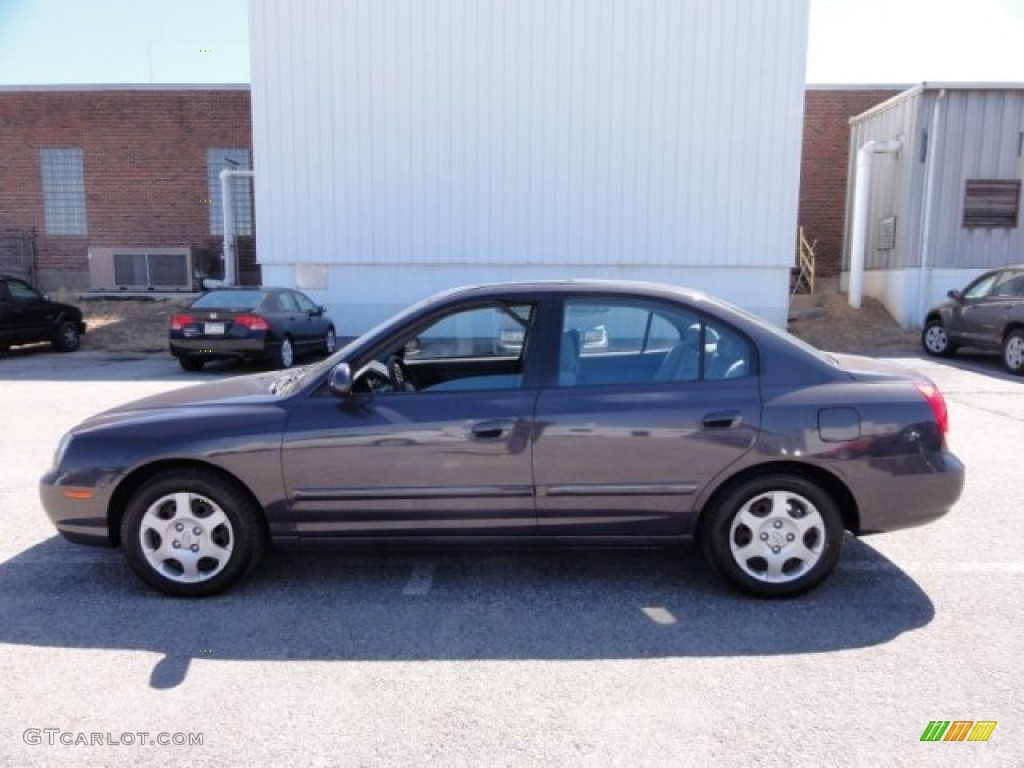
(206, 41)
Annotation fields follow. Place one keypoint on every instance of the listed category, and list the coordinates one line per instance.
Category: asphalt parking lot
(509, 657)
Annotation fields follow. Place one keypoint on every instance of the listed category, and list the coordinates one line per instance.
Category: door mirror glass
(340, 380)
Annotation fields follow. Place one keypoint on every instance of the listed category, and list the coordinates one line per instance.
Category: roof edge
(75, 87)
(935, 86)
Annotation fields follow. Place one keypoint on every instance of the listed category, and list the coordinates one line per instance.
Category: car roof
(632, 287)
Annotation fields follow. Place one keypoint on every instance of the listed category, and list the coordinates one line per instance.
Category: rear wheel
(67, 337)
(285, 355)
(330, 341)
(190, 364)
(774, 536)
(192, 533)
(935, 340)
(1013, 352)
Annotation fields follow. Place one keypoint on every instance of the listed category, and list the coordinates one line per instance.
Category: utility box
(143, 268)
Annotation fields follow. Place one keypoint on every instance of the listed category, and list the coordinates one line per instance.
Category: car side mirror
(340, 380)
(955, 295)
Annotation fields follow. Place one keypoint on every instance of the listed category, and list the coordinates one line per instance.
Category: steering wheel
(398, 372)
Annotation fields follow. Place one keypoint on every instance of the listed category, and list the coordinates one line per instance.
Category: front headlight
(62, 448)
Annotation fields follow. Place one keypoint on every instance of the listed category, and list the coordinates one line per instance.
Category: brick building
(134, 166)
(824, 164)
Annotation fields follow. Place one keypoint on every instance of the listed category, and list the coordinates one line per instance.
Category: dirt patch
(127, 325)
(838, 327)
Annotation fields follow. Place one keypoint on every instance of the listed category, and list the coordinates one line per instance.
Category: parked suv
(28, 317)
(988, 313)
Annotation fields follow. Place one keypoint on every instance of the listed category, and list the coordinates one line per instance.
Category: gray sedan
(692, 420)
(987, 314)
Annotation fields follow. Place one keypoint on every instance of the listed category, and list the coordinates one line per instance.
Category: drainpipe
(926, 209)
(861, 198)
(230, 252)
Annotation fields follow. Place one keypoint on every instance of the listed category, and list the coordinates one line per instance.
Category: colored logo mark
(958, 730)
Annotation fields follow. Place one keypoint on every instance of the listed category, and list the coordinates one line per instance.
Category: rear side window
(618, 341)
(726, 354)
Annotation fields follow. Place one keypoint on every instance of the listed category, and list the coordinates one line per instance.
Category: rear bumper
(910, 492)
(248, 349)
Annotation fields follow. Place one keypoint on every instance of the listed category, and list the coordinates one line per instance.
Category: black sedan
(694, 420)
(276, 325)
(28, 317)
(987, 314)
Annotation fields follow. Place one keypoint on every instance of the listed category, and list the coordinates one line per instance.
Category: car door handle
(723, 420)
(492, 430)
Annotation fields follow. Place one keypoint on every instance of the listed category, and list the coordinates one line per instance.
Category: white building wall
(412, 145)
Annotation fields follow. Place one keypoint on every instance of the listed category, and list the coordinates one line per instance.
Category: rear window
(229, 300)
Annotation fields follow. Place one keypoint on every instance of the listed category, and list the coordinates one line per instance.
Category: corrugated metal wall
(978, 136)
(895, 180)
(578, 132)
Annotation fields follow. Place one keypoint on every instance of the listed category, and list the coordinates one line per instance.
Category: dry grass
(127, 325)
(869, 330)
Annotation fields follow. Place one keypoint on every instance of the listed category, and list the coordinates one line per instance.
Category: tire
(192, 533)
(284, 355)
(191, 364)
(67, 338)
(935, 341)
(330, 341)
(1013, 352)
(774, 536)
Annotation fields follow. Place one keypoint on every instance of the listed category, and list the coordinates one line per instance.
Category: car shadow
(450, 605)
(39, 363)
(988, 364)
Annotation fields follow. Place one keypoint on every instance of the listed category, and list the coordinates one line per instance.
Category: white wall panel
(592, 134)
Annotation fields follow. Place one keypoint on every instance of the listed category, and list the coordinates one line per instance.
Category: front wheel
(67, 337)
(935, 340)
(1013, 352)
(774, 536)
(191, 533)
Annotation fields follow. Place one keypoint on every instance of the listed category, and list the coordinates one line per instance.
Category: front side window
(63, 191)
(481, 348)
(982, 287)
(22, 291)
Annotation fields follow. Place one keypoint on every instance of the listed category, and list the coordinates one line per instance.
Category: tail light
(252, 322)
(180, 322)
(937, 402)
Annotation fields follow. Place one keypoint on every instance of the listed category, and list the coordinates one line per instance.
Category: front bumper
(78, 519)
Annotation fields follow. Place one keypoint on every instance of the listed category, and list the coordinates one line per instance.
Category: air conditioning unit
(127, 268)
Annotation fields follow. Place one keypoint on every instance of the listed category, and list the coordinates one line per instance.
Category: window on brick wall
(991, 203)
(217, 159)
(63, 191)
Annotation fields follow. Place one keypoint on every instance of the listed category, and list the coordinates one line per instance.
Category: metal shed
(407, 146)
(944, 196)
